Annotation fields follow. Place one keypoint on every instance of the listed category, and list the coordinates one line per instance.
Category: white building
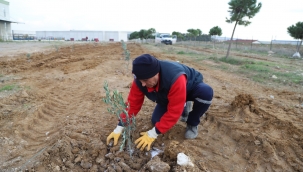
(5, 21)
(83, 35)
(7, 34)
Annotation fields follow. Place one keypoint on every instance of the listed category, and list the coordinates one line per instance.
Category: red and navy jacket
(175, 82)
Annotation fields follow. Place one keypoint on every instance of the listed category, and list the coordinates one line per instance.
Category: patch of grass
(284, 79)
(261, 71)
(200, 58)
(256, 68)
(214, 58)
(181, 52)
(260, 77)
(224, 67)
(263, 52)
(209, 46)
(263, 74)
(235, 61)
(8, 88)
(290, 77)
(186, 53)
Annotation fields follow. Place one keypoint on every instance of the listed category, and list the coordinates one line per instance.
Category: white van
(166, 39)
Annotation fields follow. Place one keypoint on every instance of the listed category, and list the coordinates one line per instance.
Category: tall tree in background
(192, 32)
(240, 12)
(178, 34)
(143, 34)
(151, 33)
(199, 32)
(134, 35)
(296, 31)
(215, 31)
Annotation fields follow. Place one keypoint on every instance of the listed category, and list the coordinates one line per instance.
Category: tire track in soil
(44, 126)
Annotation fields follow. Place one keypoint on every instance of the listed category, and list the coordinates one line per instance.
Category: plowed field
(54, 118)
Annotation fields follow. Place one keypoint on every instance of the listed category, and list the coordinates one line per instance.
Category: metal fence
(272, 47)
(286, 48)
(197, 38)
(23, 35)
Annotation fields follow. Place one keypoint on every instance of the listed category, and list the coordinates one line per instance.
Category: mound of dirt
(243, 100)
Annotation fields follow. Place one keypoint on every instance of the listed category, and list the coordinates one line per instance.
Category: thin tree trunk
(215, 41)
(231, 39)
(299, 45)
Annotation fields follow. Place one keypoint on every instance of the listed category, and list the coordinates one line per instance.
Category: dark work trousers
(201, 95)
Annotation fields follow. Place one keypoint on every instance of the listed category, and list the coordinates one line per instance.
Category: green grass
(181, 52)
(290, 77)
(214, 58)
(186, 53)
(232, 61)
(261, 71)
(259, 78)
(200, 58)
(8, 88)
(282, 78)
(256, 68)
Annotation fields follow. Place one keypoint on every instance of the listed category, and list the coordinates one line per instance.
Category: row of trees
(241, 11)
(194, 33)
(191, 33)
(143, 34)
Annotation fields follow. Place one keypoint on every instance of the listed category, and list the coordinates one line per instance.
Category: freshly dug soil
(56, 120)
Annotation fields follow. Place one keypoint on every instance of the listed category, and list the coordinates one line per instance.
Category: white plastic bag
(297, 54)
(184, 160)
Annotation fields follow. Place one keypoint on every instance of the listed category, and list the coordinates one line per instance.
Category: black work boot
(184, 117)
(191, 132)
(186, 111)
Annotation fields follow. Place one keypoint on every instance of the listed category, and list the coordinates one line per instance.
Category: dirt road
(55, 120)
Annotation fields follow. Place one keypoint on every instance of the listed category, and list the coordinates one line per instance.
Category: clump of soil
(78, 155)
(242, 100)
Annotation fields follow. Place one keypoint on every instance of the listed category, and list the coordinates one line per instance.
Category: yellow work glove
(146, 139)
(115, 135)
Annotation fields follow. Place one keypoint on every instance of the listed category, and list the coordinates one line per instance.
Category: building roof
(5, 18)
(4, 2)
(9, 21)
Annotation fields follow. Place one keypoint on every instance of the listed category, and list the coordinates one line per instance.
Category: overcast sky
(165, 16)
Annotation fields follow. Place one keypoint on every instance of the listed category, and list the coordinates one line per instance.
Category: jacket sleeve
(176, 100)
(134, 102)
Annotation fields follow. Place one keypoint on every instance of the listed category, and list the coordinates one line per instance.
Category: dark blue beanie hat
(145, 66)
